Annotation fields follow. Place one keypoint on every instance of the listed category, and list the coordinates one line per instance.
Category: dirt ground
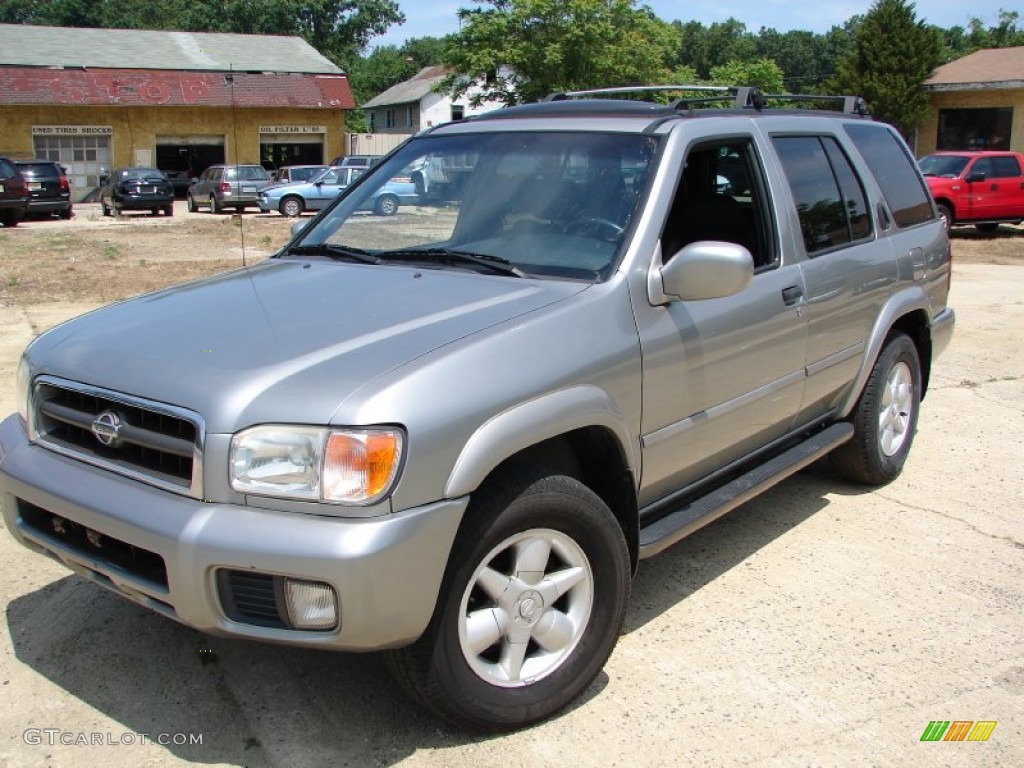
(820, 624)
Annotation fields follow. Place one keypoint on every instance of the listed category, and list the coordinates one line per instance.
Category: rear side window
(1003, 167)
(894, 169)
(830, 200)
(7, 170)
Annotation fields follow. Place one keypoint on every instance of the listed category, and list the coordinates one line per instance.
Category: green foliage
(763, 73)
(521, 50)
(892, 55)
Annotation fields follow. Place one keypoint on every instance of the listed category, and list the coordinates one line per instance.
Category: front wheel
(291, 207)
(387, 205)
(946, 215)
(885, 418)
(530, 609)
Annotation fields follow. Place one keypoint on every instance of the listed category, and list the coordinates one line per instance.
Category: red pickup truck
(979, 188)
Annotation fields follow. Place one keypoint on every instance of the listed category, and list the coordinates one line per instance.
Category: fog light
(310, 604)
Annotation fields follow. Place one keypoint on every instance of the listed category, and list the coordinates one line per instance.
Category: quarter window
(830, 200)
(892, 166)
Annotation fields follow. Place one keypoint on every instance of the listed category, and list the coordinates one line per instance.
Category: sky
(439, 17)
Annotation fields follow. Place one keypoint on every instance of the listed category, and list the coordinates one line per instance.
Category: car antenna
(229, 78)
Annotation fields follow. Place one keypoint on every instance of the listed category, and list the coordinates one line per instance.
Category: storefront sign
(72, 130)
(293, 129)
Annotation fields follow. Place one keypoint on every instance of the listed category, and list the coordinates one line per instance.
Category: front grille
(149, 440)
(252, 598)
(76, 538)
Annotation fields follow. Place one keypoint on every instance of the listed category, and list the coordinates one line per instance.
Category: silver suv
(228, 186)
(453, 433)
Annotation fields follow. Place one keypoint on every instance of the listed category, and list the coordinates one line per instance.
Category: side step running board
(696, 514)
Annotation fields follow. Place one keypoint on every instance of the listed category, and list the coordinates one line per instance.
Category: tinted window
(7, 170)
(1005, 167)
(893, 168)
(829, 198)
(39, 170)
(942, 165)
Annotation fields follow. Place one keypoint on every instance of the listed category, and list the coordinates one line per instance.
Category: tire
(154, 211)
(66, 213)
(190, 204)
(104, 208)
(946, 214)
(885, 418)
(987, 229)
(386, 205)
(564, 614)
(214, 207)
(9, 219)
(291, 206)
(169, 210)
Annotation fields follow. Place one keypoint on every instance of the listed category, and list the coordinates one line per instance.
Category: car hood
(285, 341)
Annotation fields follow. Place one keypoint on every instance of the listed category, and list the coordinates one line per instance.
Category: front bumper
(386, 570)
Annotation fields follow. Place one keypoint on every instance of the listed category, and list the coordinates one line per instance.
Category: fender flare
(533, 422)
(902, 303)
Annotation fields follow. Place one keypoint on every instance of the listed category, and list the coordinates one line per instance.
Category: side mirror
(708, 269)
(974, 176)
(298, 226)
(104, 178)
(194, 180)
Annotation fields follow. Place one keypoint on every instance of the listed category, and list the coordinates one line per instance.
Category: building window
(85, 157)
(410, 116)
(389, 118)
(373, 122)
(975, 128)
(458, 111)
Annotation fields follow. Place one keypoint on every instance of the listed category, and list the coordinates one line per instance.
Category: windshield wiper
(334, 251)
(454, 258)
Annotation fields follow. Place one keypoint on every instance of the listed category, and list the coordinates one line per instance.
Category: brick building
(977, 102)
(98, 99)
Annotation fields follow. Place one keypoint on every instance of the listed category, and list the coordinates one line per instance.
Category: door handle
(792, 295)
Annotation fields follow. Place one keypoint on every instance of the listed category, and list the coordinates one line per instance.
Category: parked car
(49, 190)
(13, 194)
(453, 435)
(288, 173)
(295, 198)
(356, 161)
(228, 186)
(136, 189)
(982, 188)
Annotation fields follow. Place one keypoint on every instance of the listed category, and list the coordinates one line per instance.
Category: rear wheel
(169, 210)
(191, 204)
(9, 218)
(214, 205)
(945, 214)
(885, 418)
(66, 213)
(530, 609)
(292, 206)
(387, 205)
(104, 208)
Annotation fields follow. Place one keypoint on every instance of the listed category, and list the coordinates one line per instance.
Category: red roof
(140, 87)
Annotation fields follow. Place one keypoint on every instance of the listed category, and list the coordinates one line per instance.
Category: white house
(413, 105)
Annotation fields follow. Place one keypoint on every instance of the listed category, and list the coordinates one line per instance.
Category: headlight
(22, 384)
(339, 466)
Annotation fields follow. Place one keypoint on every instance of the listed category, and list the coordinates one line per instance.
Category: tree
(892, 55)
(762, 73)
(521, 50)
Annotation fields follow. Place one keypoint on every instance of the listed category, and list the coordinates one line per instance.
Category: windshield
(544, 204)
(942, 165)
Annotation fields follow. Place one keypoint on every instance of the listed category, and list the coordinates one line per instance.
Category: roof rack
(742, 97)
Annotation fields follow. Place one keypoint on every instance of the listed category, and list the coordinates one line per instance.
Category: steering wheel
(605, 229)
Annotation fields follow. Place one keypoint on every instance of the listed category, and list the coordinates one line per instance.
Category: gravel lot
(818, 625)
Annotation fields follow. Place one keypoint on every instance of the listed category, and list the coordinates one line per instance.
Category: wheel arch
(576, 432)
(908, 312)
